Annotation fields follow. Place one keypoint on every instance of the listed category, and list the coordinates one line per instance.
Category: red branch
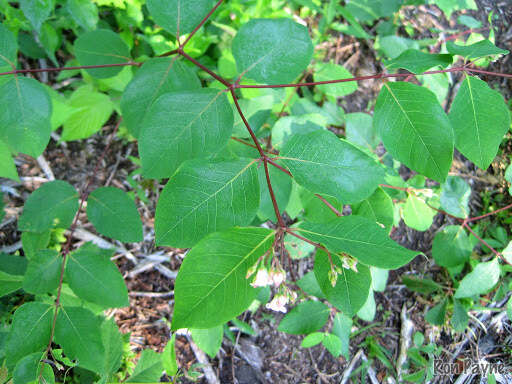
(202, 22)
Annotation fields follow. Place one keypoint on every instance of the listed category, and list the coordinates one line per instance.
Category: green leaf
(509, 309)
(202, 198)
(33, 242)
(149, 369)
(437, 314)
(450, 6)
(331, 71)
(114, 214)
(30, 331)
(417, 284)
(37, 11)
(289, 126)
(113, 343)
(460, 316)
(415, 129)
(351, 289)
(78, 331)
(507, 252)
(309, 285)
(155, 78)
(455, 194)
(29, 369)
(379, 279)
(43, 272)
(195, 124)
(281, 52)
(8, 50)
(91, 110)
(476, 50)
(480, 119)
(305, 318)
(9, 283)
(378, 207)
(484, 277)
(342, 327)
(94, 277)
(54, 204)
(84, 13)
(25, 112)
(211, 287)
(101, 47)
(333, 344)
(209, 340)
(451, 246)
(312, 340)
(367, 311)
(169, 361)
(256, 111)
(339, 168)
(7, 167)
(359, 130)
(417, 214)
(12, 264)
(179, 17)
(361, 238)
(369, 10)
(416, 61)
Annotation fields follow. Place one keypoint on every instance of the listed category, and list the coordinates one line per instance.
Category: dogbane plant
(225, 173)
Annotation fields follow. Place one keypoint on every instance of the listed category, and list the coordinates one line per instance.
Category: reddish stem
(272, 195)
(246, 143)
(316, 245)
(202, 22)
(490, 213)
(37, 70)
(465, 225)
(508, 75)
(279, 167)
(211, 73)
(329, 205)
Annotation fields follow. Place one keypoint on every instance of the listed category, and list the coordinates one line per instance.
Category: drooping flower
(277, 276)
(262, 278)
(278, 303)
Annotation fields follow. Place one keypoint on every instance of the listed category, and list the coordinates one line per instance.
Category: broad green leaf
(379, 279)
(415, 129)
(30, 331)
(113, 343)
(282, 186)
(331, 71)
(359, 130)
(460, 316)
(297, 248)
(417, 214)
(416, 61)
(34, 241)
(43, 272)
(8, 50)
(309, 285)
(29, 369)
(378, 207)
(484, 277)
(330, 111)
(91, 110)
(53, 205)
(94, 277)
(455, 194)
(152, 80)
(361, 238)
(114, 214)
(211, 287)
(324, 164)
(13, 264)
(480, 119)
(7, 166)
(205, 197)
(367, 311)
(315, 210)
(507, 252)
(476, 50)
(288, 126)
(369, 10)
(101, 47)
(169, 361)
(305, 318)
(417, 284)
(25, 112)
(312, 339)
(149, 369)
(78, 332)
(84, 13)
(451, 246)
(9, 283)
(281, 51)
(437, 314)
(333, 344)
(179, 17)
(256, 110)
(209, 340)
(351, 289)
(450, 6)
(392, 46)
(37, 11)
(195, 124)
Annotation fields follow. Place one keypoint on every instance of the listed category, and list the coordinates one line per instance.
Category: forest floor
(271, 356)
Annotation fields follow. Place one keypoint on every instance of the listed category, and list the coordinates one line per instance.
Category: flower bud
(333, 277)
(278, 303)
(262, 278)
(277, 276)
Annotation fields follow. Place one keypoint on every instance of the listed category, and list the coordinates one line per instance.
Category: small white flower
(277, 276)
(262, 278)
(278, 303)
